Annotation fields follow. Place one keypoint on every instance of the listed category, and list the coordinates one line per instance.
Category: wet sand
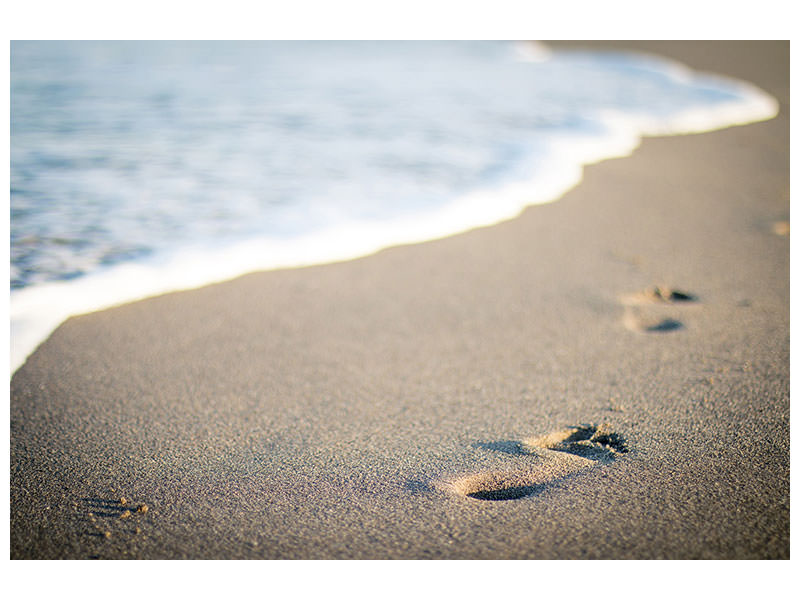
(606, 376)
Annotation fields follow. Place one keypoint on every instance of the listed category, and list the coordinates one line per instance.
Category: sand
(520, 391)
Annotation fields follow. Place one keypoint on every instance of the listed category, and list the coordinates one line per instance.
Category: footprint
(597, 442)
(658, 295)
(551, 458)
(101, 516)
(644, 311)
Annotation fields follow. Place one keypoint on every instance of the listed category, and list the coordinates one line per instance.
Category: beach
(604, 377)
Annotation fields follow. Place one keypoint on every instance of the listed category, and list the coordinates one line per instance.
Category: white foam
(36, 311)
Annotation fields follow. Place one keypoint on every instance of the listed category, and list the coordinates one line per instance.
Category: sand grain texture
(310, 413)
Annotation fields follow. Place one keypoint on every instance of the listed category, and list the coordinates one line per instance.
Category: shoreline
(330, 411)
(37, 310)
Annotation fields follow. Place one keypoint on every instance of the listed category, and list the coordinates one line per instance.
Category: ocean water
(139, 168)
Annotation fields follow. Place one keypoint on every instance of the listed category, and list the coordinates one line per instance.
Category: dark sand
(348, 410)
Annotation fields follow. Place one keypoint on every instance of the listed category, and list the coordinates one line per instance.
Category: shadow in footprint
(512, 493)
(105, 507)
(634, 320)
(659, 294)
(665, 325)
